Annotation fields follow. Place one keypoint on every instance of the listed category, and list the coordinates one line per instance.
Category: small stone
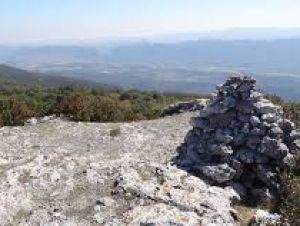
(287, 126)
(199, 122)
(295, 146)
(229, 102)
(218, 173)
(265, 126)
(264, 173)
(273, 148)
(255, 96)
(246, 87)
(222, 120)
(237, 165)
(256, 132)
(195, 147)
(263, 217)
(220, 149)
(294, 135)
(254, 120)
(265, 107)
(288, 162)
(246, 128)
(223, 136)
(234, 124)
(253, 142)
(276, 132)
(238, 188)
(245, 118)
(250, 156)
(270, 118)
(239, 139)
(31, 121)
(245, 107)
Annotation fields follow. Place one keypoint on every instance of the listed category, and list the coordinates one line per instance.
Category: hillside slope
(103, 174)
(14, 76)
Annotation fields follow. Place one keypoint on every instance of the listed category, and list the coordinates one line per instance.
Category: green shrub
(289, 205)
(97, 105)
(115, 132)
(289, 202)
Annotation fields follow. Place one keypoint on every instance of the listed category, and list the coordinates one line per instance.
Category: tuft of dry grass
(290, 204)
(115, 132)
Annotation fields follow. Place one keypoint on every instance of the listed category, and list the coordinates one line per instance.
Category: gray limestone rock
(270, 118)
(276, 132)
(245, 107)
(265, 107)
(263, 217)
(222, 120)
(256, 132)
(223, 136)
(199, 122)
(287, 126)
(250, 156)
(265, 173)
(254, 120)
(288, 162)
(220, 150)
(173, 197)
(253, 142)
(219, 173)
(294, 135)
(273, 148)
(239, 139)
(255, 95)
(295, 146)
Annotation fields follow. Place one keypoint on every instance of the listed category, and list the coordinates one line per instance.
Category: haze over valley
(170, 64)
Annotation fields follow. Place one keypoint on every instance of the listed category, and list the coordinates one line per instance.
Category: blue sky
(32, 20)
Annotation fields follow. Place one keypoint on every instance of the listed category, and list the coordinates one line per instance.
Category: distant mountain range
(264, 33)
(280, 55)
(269, 56)
(170, 64)
(36, 55)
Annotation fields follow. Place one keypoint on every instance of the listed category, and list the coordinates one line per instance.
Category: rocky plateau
(147, 173)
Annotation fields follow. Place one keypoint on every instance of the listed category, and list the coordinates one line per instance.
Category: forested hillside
(10, 76)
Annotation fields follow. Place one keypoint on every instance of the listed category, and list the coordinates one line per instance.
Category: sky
(46, 20)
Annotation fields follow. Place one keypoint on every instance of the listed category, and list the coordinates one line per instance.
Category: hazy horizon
(25, 21)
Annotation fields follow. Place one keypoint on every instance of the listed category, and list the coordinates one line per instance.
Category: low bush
(115, 132)
(289, 205)
(20, 103)
(289, 202)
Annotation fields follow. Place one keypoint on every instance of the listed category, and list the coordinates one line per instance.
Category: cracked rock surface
(56, 172)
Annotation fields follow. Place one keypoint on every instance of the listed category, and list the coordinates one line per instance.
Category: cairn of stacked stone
(241, 139)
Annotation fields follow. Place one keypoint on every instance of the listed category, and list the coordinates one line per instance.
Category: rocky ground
(57, 172)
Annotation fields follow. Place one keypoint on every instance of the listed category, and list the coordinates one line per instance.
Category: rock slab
(55, 172)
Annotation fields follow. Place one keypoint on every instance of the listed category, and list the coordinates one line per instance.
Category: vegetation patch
(115, 132)
(289, 205)
(19, 103)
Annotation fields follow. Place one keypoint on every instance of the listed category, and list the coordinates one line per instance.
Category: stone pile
(241, 139)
